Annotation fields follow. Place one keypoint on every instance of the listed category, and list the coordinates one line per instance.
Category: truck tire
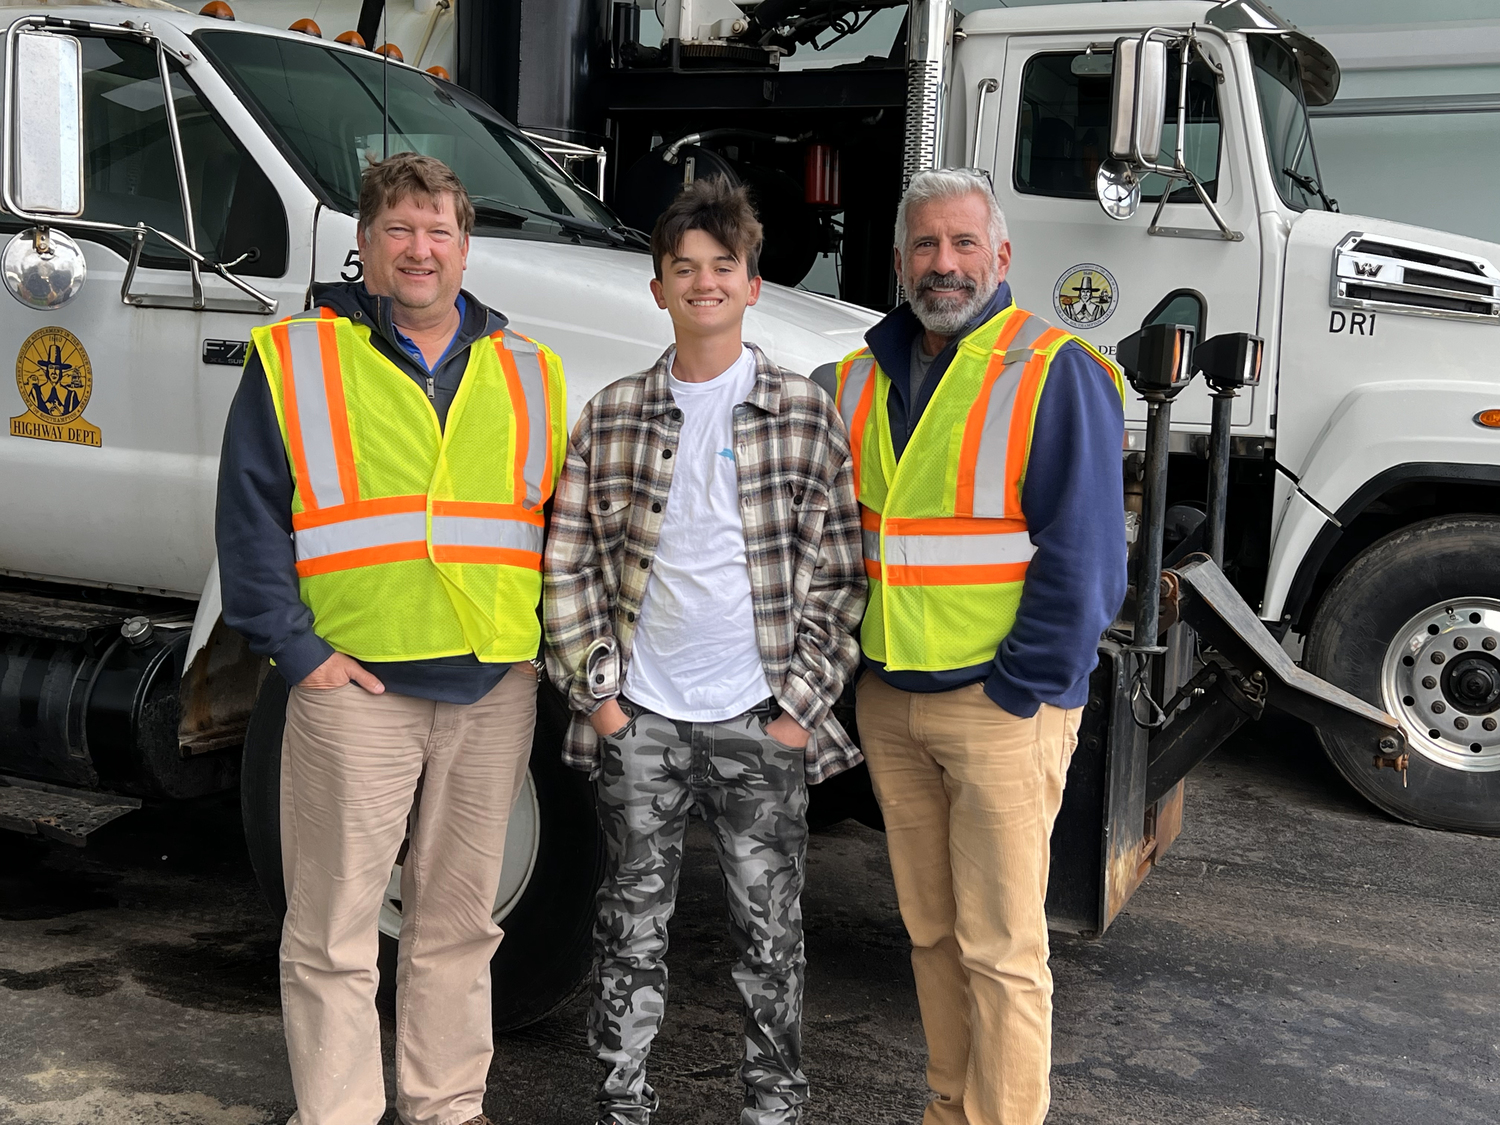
(554, 859)
(1412, 625)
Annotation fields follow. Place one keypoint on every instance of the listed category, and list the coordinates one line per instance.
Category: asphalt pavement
(1296, 958)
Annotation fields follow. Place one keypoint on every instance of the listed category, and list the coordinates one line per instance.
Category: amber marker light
(307, 27)
(351, 39)
(390, 51)
(217, 10)
(1490, 419)
(439, 72)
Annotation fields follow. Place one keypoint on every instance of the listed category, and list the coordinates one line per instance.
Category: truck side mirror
(1139, 100)
(44, 125)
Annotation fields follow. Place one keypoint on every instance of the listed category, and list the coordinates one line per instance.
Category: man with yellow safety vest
(987, 463)
(380, 531)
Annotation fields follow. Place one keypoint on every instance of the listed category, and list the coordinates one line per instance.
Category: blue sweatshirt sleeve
(253, 531)
(1073, 501)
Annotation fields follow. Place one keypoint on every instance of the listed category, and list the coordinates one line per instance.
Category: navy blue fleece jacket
(253, 524)
(1073, 501)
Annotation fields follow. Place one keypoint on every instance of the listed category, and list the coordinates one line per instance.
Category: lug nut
(1428, 682)
(1438, 658)
(1460, 642)
(1489, 644)
(1489, 724)
(1439, 707)
(1461, 723)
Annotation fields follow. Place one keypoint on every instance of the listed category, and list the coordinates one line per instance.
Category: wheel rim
(523, 837)
(1441, 679)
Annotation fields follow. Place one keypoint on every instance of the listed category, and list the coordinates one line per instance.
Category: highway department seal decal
(1085, 296)
(55, 379)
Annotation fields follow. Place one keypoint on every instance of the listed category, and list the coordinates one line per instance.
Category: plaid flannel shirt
(802, 546)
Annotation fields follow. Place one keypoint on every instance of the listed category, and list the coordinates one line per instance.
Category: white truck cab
(1364, 491)
(198, 220)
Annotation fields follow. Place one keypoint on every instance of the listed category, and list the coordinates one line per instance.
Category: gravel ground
(1296, 958)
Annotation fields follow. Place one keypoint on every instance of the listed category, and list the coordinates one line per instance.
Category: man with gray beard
(986, 448)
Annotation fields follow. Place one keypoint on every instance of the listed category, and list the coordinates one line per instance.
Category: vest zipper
(431, 390)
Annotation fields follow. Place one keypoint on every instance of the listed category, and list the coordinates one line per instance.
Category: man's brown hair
(719, 210)
(387, 182)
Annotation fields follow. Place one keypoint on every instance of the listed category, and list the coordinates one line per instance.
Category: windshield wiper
(1308, 184)
(618, 235)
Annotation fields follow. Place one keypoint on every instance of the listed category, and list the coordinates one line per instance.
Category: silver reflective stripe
(354, 535)
(860, 372)
(480, 531)
(533, 373)
(312, 413)
(872, 545)
(958, 550)
(994, 439)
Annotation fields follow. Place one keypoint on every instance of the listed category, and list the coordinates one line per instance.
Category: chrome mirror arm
(1188, 44)
(174, 133)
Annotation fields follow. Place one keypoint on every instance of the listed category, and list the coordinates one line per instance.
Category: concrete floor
(1297, 958)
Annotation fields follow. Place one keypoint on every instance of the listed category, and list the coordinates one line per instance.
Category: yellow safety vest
(415, 540)
(945, 542)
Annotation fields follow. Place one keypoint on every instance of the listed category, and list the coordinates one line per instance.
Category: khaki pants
(354, 768)
(969, 793)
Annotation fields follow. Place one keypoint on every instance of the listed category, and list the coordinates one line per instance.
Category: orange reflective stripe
(517, 399)
(968, 450)
(501, 556)
(872, 570)
(380, 506)
(1019, 444)
(952, 525)
(364, 556)
(289, 413)
(977, 575)
(869, 518)
(481, 509)
(338, 410)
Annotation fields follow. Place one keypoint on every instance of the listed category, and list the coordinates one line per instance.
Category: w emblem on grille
(1366, 269)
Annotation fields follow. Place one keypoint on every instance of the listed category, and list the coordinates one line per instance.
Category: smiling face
(414, 252)
(948, 266)
(704, 287)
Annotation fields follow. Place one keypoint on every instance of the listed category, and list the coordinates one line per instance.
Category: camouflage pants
(751, 792)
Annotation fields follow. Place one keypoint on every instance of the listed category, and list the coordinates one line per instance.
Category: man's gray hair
(950, 183)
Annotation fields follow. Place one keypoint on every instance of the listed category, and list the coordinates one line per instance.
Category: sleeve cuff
(801, 702)
(1005, 695)
(301, 656)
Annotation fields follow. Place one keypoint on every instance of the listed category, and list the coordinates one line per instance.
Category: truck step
(69, 815)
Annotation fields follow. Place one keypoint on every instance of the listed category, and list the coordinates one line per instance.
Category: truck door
(1044, 135)
(116, 431)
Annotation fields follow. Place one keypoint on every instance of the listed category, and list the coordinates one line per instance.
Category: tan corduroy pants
(969, 794)
(355, 768)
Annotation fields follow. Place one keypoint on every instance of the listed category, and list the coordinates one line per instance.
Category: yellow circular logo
(54, 376)
(1085, 296)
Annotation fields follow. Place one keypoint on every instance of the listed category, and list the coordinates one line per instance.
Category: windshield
(1294, 163)
(325, 106)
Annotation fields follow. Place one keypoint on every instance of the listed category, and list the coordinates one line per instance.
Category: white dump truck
(172, 181)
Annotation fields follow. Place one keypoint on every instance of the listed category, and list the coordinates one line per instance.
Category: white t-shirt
(695, 658)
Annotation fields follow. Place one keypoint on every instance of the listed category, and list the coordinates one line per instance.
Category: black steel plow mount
(1197, 645)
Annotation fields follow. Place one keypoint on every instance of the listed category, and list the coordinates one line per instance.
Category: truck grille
(1392, 275)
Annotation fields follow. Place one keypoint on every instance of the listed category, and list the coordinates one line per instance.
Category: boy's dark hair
(719, 210)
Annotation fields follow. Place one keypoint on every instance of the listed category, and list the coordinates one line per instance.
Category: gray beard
(946, 319)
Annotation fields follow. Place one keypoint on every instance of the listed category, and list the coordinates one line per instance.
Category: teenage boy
(703, 583)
